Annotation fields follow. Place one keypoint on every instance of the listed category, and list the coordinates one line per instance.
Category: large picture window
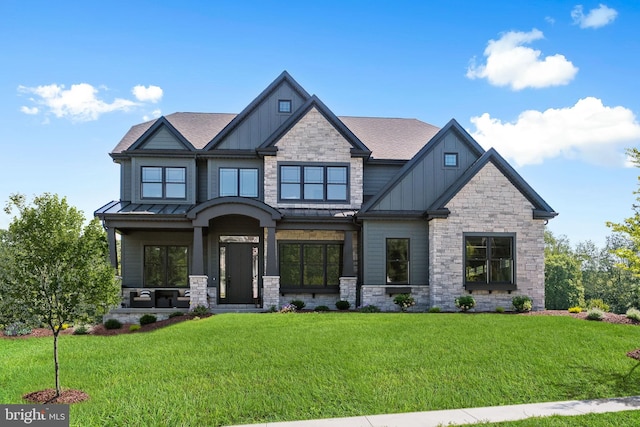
(489, 262)
(164, 182)
(166, 266)
(397, 261)
(310, 265)
(314, 183)
(238, 182)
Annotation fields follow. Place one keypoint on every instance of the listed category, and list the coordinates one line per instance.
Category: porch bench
(184, 300)
(142, 299)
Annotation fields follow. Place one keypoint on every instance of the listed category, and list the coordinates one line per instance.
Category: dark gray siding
(163, 140)
(377, 176)
(133, 244)
(375, 233)
(262, 121)
(125, 180)
(214, 173)
(203, 180)
(428, 178)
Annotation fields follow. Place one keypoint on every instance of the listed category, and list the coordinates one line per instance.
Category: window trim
(282, 102)
(444, 160)
(165, 266)
(325, 288)
(238, 181)
(163, 182)
(386, 261)
(325, 183)
(491, 286)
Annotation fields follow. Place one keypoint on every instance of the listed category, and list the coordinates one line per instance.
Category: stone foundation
(378, 295)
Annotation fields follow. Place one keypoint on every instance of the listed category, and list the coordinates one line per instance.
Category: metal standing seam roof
(387, 138)
(117, 207)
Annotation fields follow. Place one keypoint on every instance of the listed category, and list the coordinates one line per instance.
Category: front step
(236, 308)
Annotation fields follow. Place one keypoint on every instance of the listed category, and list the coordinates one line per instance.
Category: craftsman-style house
(285, 201)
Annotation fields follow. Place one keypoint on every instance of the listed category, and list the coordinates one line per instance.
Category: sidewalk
(471, 415)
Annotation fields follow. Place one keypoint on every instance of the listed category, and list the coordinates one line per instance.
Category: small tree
(55, 269)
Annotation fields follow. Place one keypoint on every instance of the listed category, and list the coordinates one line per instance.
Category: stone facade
(198, 285)
(378, 295)
(488, 203)
(312, 139)
(271, 291)
(348, 290)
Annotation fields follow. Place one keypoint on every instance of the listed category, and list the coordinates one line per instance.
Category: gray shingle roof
(387, 138)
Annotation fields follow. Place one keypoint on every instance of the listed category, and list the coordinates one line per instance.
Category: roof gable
(283, 82)
(430, 179)
(541, 209)
(162, 135)
(357, 147)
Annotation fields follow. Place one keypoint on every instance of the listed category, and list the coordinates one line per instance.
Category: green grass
(244, 368)
(617, 419)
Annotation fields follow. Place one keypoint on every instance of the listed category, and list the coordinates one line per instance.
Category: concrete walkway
(471, 415)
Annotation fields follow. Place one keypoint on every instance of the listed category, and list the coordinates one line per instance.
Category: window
(238, 182)
(450, 160)
(310, 265)
(313, 183)
(166, 266)
(489, 262)
(164, 183)
(284, 106)
(397, 261)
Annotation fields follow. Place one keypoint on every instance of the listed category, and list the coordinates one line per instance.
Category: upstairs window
(238, 182)
(397, 261)
(284, 106)
(450, 160)
(489, 262)
(164, 182)
(314, 183)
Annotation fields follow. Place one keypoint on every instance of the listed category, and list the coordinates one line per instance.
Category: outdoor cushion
(145, 294)
(187, 293)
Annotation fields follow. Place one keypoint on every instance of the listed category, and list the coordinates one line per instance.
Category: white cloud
(79, 103)
(588, 131)
(596, 18)
(31, 111)
(153, 115)
(550, 20)
(151, 93)
(509, 63)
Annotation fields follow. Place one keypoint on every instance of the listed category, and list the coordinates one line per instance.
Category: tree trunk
(55, 361)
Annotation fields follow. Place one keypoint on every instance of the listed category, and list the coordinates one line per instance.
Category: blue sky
(552, 85)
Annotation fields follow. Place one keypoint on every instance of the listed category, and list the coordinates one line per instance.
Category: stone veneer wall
(489, 203)
(377, 295)
(198, 285)
(313, 139)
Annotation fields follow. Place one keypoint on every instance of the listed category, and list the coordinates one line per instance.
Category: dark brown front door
(239, 273)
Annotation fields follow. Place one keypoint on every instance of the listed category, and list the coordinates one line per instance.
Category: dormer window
(284, 106)
(164, 182)
(450, 160)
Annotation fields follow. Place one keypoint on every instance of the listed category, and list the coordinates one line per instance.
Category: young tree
(55, 269)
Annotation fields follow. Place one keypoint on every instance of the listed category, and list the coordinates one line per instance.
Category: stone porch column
(271, 292)
(198, 286)
(348, 290)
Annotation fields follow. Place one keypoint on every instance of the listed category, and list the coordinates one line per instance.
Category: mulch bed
(48, 396)
(619, 319)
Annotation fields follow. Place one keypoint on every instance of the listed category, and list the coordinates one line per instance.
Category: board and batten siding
(377, 176)
(262, 121)
(375, 234)
(163, 140)
(214, 166)
(125, 179)
(133, 244)
(136, 178)
(428, 178)
(203, 180)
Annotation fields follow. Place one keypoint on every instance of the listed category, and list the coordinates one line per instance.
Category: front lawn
(245, 368)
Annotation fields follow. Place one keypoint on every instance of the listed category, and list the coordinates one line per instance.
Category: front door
(238, 273)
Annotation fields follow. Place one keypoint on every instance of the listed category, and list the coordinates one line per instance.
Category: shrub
(633, 314)
(576, 309)
(298, 304)
(113, 324)
(434, 309)
(597, 303)
(321, 308)
(499, 309)
(343, 305)
(370, 309)
(595, 314)
(80, 330)
(288, 308)
(404, 301)
(522, 303)
(17, 328)
(465, 302)
(199, 310)
(147, 319)
(273, 309)
(176, 314)
(134, 328)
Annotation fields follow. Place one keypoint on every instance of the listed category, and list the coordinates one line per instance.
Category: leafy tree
(54, 269)
(562, 274)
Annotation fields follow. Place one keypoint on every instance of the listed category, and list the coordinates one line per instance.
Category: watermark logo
(34, 415)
